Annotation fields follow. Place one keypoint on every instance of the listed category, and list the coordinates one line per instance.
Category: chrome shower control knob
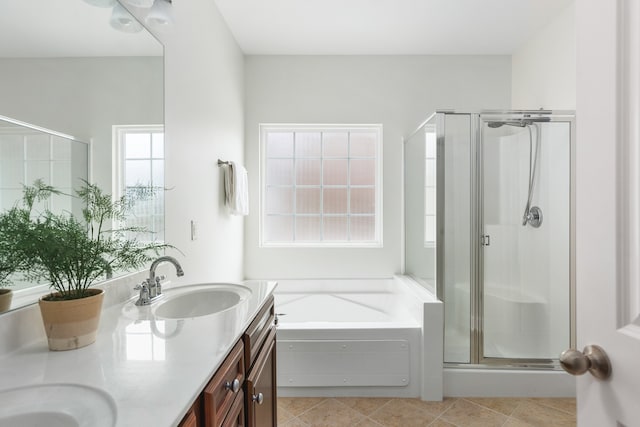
(592, 359)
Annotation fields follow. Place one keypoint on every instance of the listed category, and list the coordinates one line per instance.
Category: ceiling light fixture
(146, 4)
(160, 14)
(122, 20)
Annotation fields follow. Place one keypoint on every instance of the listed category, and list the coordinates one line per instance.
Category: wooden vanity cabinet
(242, 392)
(260, 361)
(261, 398)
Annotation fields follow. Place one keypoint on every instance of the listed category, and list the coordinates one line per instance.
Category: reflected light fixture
(122, 20)
(146, 4)
(160, 14)
(101, 3)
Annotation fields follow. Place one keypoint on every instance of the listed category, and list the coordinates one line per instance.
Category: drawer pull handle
(259, 398)
(234, 385)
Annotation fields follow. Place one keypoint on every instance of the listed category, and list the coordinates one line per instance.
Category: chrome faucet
(151, 289)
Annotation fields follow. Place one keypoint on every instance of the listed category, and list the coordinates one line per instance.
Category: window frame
(264, 129)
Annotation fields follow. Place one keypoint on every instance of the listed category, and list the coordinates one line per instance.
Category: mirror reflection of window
(140, 176)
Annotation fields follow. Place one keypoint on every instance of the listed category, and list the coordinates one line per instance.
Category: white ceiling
(66, 28)
(383, 27)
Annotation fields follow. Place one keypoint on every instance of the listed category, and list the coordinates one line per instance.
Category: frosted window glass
(11, 171)
(60, 148)
(430, 173)
(363, 144)
(363, 172)
(38, 170)
(61, 202)
(307, 144)
(308, 200)
(335, 172)
(61, 174)
(157, 145)
(308, 172)
(335, 228)
(430, 201)
(279, 200)
(319, 176)
(335, 200)
(138, 172)
(362, 227)
(280, 172)
(363, 200)
(334, 144)
(430, 141)
(137, 146)
(157, 173)
(280, 144)
(38, 147)
(279, 228)
(9, 197)
(430, 228)
(308, 229)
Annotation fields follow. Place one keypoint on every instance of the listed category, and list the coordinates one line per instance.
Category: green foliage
(72, 253)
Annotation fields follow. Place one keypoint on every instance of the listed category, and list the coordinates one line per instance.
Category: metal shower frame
(477, 121)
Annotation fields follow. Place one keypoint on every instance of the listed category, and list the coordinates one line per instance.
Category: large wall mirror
(64, 67)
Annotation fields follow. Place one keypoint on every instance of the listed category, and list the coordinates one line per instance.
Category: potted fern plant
(72, 253)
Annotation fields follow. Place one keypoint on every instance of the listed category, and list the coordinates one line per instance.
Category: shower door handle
(485, 240)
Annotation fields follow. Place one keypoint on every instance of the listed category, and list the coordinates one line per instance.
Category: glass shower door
(525, 282)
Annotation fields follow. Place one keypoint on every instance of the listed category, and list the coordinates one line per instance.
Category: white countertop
(153, 370)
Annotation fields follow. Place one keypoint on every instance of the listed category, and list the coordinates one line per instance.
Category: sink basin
(200, 300)
(57, 405)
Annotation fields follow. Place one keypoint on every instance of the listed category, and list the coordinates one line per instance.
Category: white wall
(397, 91)
(544, 69)
(203, 122)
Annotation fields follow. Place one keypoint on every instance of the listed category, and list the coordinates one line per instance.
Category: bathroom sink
(200, 300)
(57, 405)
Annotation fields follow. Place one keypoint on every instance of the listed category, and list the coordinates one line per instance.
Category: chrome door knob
(592, 359)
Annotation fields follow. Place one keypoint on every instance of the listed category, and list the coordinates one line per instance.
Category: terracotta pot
(5, 299)
(72, 324)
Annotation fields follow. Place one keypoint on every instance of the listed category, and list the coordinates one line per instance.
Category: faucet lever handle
(160, 278)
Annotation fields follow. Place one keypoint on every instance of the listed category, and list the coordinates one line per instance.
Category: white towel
(236, 185)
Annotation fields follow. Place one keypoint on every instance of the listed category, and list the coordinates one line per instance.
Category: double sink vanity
(202, 355)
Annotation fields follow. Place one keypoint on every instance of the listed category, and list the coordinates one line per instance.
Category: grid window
(321, 185)
(140, 153)
(430, 190)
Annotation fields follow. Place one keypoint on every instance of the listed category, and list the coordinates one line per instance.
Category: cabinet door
(261, 397)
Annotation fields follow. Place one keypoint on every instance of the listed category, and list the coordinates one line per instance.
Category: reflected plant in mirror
(71, 252)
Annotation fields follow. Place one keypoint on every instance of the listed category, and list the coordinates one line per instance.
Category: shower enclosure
(489, 226)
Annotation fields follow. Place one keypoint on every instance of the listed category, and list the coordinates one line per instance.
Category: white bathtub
(364, 337)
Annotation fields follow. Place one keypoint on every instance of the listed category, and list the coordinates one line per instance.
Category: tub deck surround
(153, 369)
(359, 337)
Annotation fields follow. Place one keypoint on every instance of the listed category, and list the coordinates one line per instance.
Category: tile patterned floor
(452, 412)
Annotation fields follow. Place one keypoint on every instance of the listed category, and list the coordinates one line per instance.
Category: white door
(608, 206)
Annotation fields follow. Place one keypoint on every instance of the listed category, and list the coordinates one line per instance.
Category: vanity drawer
(219, 394)
(255, 336)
